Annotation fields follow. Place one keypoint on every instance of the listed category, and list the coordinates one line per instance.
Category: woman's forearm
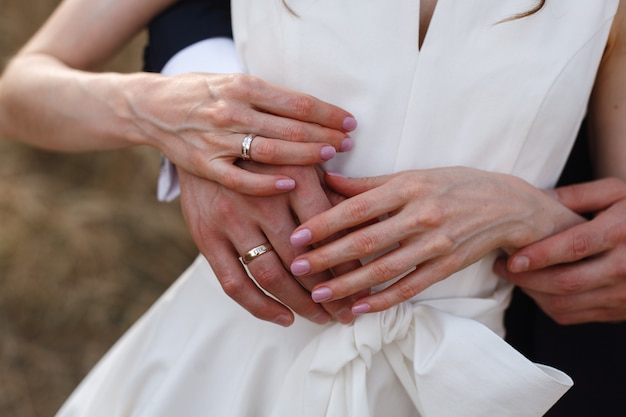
(49, 105)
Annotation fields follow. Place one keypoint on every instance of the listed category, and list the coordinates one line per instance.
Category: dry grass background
(84, 248)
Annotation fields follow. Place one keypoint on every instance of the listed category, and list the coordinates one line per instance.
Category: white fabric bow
(448, 365)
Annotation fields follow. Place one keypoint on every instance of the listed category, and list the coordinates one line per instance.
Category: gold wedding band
(256, 252)
(245, 147)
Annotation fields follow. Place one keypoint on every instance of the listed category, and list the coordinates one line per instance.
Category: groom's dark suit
(593, 354)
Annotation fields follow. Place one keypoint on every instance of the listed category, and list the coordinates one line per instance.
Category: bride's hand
(438, 222)
(199, 122)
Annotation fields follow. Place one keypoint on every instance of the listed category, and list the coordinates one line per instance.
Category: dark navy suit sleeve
(183, 24)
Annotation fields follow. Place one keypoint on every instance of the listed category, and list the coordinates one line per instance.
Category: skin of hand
(50, 98)
(225, 224)
(578, 275)
(199, 121)
(439, 221)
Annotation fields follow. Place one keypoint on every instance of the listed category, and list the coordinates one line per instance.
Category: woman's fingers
(410, 280)
(199, 121)
(281, 152)
(292, 105)
(235, 178)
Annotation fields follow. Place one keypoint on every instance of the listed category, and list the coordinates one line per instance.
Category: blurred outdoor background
(85, 248)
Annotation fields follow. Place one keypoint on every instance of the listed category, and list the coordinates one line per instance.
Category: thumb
(349, 187)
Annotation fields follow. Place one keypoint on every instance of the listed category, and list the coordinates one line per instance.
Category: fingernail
(335, 174)
(321, 318)
(360, 308)
(520, 264)
(300, 267)
(346, 145)
(328, 152)
(285, 185)
(283, 320)
(319, 295)
(344, 316)
(300, 238)
(349, 124)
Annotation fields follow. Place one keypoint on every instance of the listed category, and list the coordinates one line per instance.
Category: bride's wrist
(543, 216)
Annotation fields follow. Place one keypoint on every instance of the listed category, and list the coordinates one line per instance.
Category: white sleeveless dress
(484, 92)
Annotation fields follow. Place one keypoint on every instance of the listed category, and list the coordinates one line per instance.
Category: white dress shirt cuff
(215, 55)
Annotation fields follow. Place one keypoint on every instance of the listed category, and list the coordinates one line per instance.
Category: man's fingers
(270, 274)
(571, 245)
(298, 106)
(567, 279)
(237, 285)
(592, 196)
(600, 305)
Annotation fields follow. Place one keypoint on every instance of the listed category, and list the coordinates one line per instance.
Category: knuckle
(265, 277)
(581, 245)
(230, 286)
(242, 83)
(407, 289)
(568, 284)
(430, 216)
(365, 243)
(295, 132)
(382, 271)
(442, 244)
(261, 150)
(231, 180)
(224, 115)
(357, 209)
(302, 106)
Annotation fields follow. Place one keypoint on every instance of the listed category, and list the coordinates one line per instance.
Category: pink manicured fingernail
(520, 264)
(285, 185)
(300, 238)
(319, 295)
(360, 308)
(349, 124)
(300, 267)
(346, 145)
(328, 152)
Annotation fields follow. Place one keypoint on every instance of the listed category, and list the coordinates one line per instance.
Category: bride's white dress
(482, 91)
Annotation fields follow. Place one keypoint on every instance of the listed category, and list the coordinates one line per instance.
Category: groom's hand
(579, 275)
(225, 225)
